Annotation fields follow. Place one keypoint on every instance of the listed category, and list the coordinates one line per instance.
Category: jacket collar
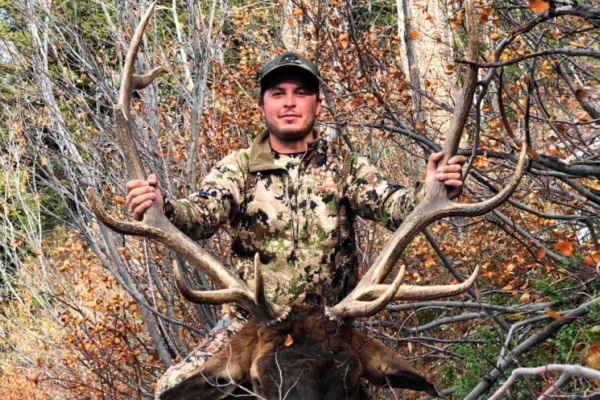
(261, 154)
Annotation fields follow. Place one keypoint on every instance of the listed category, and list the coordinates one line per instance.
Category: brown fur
(304, 357)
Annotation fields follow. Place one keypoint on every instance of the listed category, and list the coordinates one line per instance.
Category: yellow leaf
(538, 6)
(564, 248)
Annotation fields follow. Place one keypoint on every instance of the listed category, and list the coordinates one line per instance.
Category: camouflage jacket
(297, 212)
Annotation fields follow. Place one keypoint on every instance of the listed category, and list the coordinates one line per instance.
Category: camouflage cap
(289, 60)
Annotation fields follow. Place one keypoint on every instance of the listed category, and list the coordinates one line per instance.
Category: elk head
(302, 350)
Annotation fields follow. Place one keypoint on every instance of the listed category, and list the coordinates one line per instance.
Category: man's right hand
(141, 194)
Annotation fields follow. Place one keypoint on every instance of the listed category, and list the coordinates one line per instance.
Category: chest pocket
(262, 215)
(320, 193)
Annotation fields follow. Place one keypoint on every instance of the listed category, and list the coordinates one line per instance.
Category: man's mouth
(290, 117)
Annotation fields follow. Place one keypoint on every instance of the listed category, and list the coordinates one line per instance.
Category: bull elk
(302, 350)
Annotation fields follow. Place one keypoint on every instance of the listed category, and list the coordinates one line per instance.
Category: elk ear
(222, 374)
(382, 367)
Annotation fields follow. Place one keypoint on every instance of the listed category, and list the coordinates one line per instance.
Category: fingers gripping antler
(370, 294)
(155, 225)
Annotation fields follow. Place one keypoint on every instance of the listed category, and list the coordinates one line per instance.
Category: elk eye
(256, 384)
(221, 381)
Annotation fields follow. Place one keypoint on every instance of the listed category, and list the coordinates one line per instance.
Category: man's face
(290, 107)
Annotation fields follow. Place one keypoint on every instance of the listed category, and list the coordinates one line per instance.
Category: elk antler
(155, 224)
(371, 295)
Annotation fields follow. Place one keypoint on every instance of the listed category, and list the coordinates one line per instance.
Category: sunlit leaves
(553, 314)
(538, 6)
(449, 69)
(565, 248)
(288, 341)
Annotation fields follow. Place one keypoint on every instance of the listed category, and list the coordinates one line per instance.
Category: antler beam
(435, 206)
(156, 225)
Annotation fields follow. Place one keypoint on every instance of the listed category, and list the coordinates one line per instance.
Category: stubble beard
(291, 135)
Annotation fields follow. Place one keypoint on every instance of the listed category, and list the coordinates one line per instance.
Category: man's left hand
(450, 174)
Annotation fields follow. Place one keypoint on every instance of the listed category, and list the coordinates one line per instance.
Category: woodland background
(88, 314)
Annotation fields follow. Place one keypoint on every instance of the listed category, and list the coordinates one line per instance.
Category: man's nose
(290, 100)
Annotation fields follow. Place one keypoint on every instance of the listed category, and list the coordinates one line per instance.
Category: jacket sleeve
(215, 203)
(374, 197)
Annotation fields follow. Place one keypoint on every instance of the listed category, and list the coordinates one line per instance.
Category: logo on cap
(289, 59)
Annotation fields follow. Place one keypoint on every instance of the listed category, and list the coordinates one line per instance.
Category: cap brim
(306, 73)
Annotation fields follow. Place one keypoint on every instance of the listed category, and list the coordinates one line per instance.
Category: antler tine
(155, 225)
(371, 299)
(433, 207)
(363, 305)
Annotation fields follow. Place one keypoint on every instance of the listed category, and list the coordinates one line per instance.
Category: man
(292, 197)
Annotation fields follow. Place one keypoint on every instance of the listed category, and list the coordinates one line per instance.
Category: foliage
(89, 313)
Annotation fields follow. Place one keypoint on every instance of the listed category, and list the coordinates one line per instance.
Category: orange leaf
(562, 128)
(429, 262)
(289, 340)
(487, 10)
(588, 261)
(538, 6)
(583, 116)
(553, 314)
(34, 377)
(414, 34)
(540, 254)
(449, 69)
(565, 248)
(120, 200)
